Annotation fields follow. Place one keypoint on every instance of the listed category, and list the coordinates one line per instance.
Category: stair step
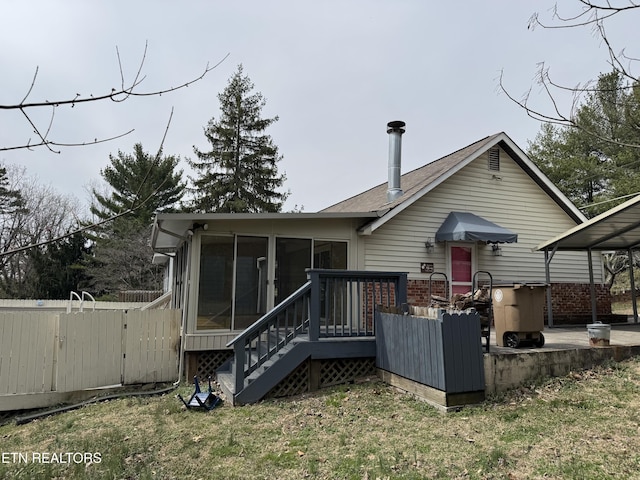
(225, 377)
(227, 384)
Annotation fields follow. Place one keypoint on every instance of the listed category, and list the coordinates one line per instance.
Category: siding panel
(515, 202)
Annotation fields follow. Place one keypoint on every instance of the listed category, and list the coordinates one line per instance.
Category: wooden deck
(331, 316)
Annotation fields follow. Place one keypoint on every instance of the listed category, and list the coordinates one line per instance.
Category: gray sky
(335, 72)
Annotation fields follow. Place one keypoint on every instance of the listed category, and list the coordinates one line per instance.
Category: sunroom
(230, 269)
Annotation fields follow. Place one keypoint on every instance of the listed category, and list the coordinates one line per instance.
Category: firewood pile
(480, 300)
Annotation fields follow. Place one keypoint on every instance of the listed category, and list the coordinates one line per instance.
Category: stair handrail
(281, 307)
(242, 343)
(307, 318)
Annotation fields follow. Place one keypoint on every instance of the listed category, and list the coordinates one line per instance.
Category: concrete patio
(572, 337)
(566, 349)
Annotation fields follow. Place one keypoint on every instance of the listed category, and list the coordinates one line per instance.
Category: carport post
(594, 314)
(632, 283)
(547, 273)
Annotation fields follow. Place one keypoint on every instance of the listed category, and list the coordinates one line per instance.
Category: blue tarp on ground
(465, 226)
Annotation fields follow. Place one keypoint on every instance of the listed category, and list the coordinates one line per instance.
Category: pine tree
(239, 173)
(11, 200)
(597, 160)
(57, 268)
(144, 182)
(147, 184)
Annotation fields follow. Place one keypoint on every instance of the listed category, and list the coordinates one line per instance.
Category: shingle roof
(375, 199)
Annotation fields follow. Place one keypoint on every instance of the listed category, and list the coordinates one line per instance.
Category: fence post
(314, 306)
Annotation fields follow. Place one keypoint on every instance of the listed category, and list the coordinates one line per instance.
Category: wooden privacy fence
(437, 358)
(44, 353)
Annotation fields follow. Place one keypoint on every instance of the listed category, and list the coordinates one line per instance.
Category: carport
(615, 230)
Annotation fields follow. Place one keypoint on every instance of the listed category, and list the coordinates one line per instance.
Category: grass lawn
(584, 426)
(622, 308)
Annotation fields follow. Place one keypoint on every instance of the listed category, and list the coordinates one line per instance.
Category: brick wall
(571, 302)
(418, 291)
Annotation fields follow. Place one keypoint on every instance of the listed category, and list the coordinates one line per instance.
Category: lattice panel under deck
(339, 371)
(296, 383)
(208, 362)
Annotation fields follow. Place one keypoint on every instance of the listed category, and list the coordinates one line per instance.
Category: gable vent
(494, 159)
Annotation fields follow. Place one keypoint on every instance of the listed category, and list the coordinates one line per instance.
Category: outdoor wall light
(497, 250)
(429, 245)
(197, 226)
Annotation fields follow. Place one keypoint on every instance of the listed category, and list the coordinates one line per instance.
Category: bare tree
(44, 216)
(586, 14)
(123, 92)
(116, 95)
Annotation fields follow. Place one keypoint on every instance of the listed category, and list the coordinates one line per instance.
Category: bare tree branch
(94, 225)
(592, 14)
(556, 117)
(119, 95)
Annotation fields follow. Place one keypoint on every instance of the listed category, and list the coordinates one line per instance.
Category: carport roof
(615, 229)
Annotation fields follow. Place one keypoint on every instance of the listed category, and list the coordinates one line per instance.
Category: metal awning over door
(465, 226)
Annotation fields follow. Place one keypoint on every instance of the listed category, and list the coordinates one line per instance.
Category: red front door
(461, 266)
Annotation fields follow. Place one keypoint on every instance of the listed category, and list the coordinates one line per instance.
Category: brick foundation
(571, 302)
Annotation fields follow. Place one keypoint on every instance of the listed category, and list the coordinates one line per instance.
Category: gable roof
(416, 183)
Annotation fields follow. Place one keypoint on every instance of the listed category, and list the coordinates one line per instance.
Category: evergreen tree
(597, 160)
(122, 252)
(239, 173)
(145, 182)
(11, 200)
(57, 269)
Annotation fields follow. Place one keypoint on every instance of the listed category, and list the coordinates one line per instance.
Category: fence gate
(90, 350)
(151, 346)
(97, 349)
(26, 353)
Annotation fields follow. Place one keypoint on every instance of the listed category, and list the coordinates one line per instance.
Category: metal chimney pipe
(395, 130)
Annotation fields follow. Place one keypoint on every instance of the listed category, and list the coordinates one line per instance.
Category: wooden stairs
(330, 317)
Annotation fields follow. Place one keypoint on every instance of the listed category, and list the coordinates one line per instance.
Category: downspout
(183, 321)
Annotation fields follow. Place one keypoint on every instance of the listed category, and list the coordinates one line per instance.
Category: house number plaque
(426, 267)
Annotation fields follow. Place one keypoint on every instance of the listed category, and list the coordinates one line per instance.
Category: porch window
(328, 254)
(293, 257)
(235, 287)
(215, 292)
(251, 281)
(222, 279)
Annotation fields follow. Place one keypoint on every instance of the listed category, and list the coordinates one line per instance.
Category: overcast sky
(335, 72)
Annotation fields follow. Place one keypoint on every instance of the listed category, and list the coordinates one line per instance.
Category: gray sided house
(483, 208)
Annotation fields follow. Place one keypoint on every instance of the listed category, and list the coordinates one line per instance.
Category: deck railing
(333, 303)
